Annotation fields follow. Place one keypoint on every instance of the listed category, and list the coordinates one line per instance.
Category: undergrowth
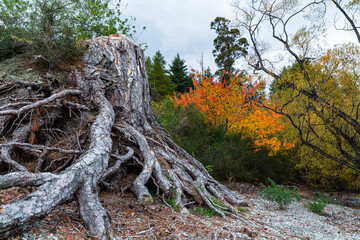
(224, 155)
(318, 205)
(206, 211)
(279, 194)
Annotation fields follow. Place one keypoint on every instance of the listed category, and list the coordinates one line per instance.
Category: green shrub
(283, 196)
(231, 155)
(243, 210)
(153, 196)
(55, 28)
(318, 205)
(171, 201)
(206, 211)
(210, 169)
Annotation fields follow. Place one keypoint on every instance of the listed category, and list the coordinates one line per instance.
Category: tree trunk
(99, 131)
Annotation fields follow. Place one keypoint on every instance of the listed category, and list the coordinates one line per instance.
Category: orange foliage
(232, 105)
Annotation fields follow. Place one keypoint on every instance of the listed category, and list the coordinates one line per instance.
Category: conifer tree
(179, 75)
(229, 46)
(159, 80)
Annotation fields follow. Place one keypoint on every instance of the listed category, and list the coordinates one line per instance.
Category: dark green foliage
(243, 210)
(154, 196)
(283, 196)
(229, 46)
(231, 156)
(234, 157)
(159, 80)
(206, 211)
(179, 75)
(171, 202)
(54, 28)
(9, 46)
(318, 205)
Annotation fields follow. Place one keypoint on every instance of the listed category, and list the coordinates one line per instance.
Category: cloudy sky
(174, 26)
(183, 26)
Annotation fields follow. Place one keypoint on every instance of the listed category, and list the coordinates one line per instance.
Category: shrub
(171, 201)
(283, 196)
(230, 155)
(55, 28)
(242, 210)
(318, 205)
(206, 211)
(326, 173)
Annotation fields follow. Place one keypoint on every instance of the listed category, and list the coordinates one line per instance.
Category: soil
(131, 220)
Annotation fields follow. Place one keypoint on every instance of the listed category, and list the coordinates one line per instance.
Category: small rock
(184, 211)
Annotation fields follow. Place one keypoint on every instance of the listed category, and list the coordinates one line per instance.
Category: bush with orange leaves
(233, 105)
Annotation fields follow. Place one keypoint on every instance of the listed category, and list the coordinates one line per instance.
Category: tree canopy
(229, 45)
(233, 106)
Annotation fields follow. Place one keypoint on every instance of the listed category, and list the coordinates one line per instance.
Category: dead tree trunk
(98, 131)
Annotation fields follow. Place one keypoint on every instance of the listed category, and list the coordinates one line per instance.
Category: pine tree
(179, 75)
(229, 46)
(161, 85)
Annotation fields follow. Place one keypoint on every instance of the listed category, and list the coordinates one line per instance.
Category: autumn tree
(159, 79)
(229, 46)
(233, 105)
(329, 89)
(341, 83)
(179, 75)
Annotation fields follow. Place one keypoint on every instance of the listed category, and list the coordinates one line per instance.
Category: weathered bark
(112, 89)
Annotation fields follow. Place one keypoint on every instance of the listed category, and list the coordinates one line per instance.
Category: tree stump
(97, 130)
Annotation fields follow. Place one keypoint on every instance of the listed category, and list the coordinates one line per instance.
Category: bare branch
(33, 146)
(41, 102)
(354, 28)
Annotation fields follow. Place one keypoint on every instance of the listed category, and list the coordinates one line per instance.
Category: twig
(40, 103)
(77, 105)
(14, 105)
(150, 229)
(33, 146)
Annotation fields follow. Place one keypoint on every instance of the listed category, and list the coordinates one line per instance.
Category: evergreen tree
(179, 75)
(148, 64)
(208, 74)
(229, 46)
(161, 85)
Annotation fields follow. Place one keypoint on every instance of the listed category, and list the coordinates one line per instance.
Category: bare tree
(97, 131)
(327, 126)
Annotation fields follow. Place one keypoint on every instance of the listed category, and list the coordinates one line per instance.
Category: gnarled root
(71, 160)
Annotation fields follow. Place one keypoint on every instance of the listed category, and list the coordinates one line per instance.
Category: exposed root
(102, 133)
(39, 103)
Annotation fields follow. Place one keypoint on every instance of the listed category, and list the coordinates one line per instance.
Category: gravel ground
(130, 220)
(298, 222)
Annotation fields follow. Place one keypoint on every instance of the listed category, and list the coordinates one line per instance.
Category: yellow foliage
(334, 77)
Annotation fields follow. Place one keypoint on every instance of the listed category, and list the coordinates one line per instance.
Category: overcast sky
(183, 26)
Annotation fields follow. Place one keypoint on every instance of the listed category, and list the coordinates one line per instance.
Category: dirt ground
(131, 220)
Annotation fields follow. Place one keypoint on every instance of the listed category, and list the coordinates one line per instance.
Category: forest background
(225, 118)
